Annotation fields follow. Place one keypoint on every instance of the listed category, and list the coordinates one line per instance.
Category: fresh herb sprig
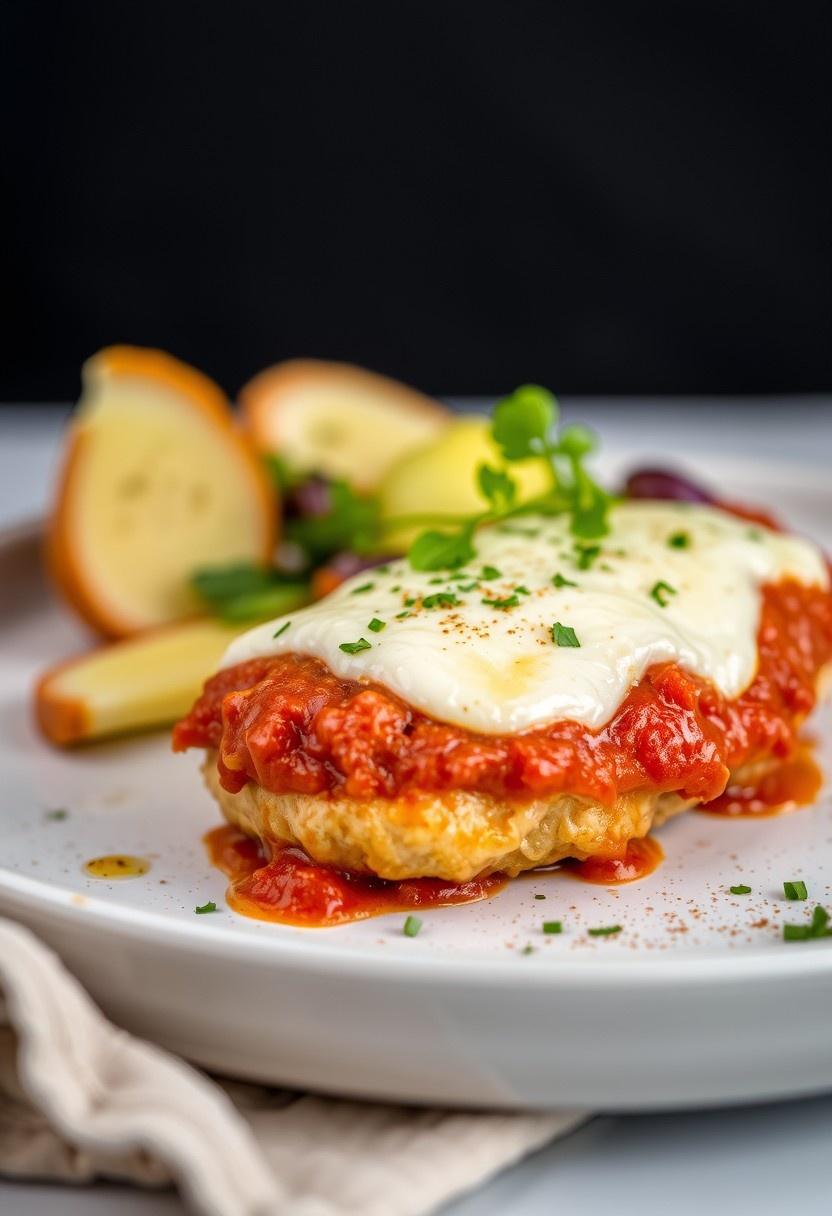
(524, 427)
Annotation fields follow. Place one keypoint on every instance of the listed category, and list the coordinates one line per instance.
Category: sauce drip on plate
(117, 865)
(292, 889)
(640, 858)
(791, 784)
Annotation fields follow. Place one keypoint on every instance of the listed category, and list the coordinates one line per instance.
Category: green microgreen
(524, 427)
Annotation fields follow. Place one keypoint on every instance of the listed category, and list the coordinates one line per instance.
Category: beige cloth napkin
(80, 1099)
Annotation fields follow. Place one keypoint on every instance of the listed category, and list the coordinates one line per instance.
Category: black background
(602, 197)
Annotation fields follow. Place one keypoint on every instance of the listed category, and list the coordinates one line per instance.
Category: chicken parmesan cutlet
(554, 699)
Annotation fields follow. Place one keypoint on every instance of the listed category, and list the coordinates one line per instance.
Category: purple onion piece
(309, 499)
(660, 483)
(347, 564)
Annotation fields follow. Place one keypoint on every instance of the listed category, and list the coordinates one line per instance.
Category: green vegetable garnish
(740, 889)
(604, 931)
(662, 593)
(376, 626)
(679, 540)
(528, 949)
(243, 592)
(564, 635)
(489, 572)
(508, 601)
(585, 555)
(60, 813)
(281, 630)
(355, 647)
(559, 581)
(411, 926)
(552, 926)
(364, 587)
(441, 599)
(524, 427)
(795, 890)
(209, 907)
(818, 926)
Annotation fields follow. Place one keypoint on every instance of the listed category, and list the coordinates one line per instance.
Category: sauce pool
(117, 865)
(792, 784)
(292, 889)
(640, 858)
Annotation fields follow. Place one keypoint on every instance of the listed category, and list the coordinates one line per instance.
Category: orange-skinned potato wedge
(156, 482)
(336, 419)
(133, 685)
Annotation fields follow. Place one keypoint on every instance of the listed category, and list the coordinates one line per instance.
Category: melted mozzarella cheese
(497, 669)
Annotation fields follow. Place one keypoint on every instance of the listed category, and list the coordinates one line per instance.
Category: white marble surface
(766, 1159)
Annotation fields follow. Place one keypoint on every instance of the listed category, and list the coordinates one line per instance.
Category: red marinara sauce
(289, 724)
(285, 885)
(785, 787)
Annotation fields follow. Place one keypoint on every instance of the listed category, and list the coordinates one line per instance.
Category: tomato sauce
(291, 725)
(786, 787)
(640, 858)
(285, 885)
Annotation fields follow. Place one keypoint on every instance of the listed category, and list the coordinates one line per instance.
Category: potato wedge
(156, 482)
(336, 419)
(143, 682)
(441, 477)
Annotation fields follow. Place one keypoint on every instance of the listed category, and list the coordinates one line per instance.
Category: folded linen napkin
(81, 1099)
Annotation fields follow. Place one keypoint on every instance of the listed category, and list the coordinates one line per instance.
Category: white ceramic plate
(697, 1001)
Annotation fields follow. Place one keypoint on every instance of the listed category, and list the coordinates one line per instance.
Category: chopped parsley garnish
(585, 555)
(441, 599)
(364, 587)
(508, 601)
(411, 926)
(818, 926)
(203, 908)
(401, 616)
(662, 592)
(564, 635)
(795, 890)
(57, 815)
(410, 600)
(489, 572)
(679, 540)
(514, 530)
(355, 647)
(528, 949)
(604, 931)
(521, 590)
(281, 630)
(740, 889)
(559, 581)
(468, 586)
(376, 626)
(434, 582)
(552, 926)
